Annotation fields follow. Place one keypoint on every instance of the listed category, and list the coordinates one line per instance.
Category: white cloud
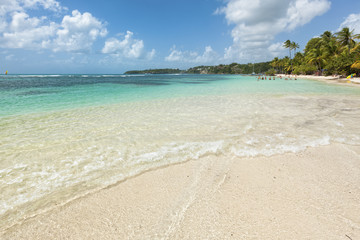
(277, 49)
(175, 56)
(256, 23)
(46, 4)
(10, 57)
(10, 6)
(302, 12)
(208, 56)
(26, 32)
(150, 55)
(127, 48)
(352, 22)
(21, 21)
(75, 32)
(78, 32)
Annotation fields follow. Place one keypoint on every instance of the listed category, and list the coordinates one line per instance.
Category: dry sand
(314, 194)
(328, 79)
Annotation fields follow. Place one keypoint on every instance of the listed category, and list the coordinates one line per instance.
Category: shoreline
(310, 194)
(328, 79)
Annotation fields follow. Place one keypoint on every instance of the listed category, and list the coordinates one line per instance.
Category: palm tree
(285, 64)
(327, 35)
(356, 49)
(294, 46)
(290, 45)
(346, 38)
(287, 44)
(316, 58)
(275, 63)
(356, 65)
(329, 45)
(298, 58)
(330, 49)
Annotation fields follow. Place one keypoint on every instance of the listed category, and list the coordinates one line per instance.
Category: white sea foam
(38, 76)
(178, 152)
(274, 149)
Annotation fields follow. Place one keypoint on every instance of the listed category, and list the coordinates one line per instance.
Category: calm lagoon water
(63, 136)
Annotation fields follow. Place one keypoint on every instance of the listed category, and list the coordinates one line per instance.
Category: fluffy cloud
(10, 6)
(352, 22)
(208, 56)
(26, 32)
(46, 4)
(257, 22)
(127, 48)
(76, 32)
(277, 49)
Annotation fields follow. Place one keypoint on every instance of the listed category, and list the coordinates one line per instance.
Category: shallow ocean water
(62, 136)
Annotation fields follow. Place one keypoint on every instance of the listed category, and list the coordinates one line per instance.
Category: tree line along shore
(329, 54)
(233, 68)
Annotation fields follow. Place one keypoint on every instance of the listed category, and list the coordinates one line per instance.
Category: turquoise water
(63, 136)
(28, 93)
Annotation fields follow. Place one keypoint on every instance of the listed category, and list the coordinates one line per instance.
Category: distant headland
(233, 68)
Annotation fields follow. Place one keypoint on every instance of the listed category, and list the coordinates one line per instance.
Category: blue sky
(113, 36)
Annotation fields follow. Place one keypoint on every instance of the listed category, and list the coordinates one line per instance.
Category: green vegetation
(233, 68)
(328, 54)
(155, 71)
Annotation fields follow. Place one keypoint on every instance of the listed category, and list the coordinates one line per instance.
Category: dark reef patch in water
(35, 92)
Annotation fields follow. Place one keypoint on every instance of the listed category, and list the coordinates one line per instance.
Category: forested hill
(233, 68)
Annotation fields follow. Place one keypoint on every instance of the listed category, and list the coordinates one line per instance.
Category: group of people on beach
(273, 78)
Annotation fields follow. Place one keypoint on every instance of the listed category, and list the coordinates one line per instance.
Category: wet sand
(314, 194)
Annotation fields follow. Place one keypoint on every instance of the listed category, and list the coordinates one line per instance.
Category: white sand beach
(329, 79)
(313, 194)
